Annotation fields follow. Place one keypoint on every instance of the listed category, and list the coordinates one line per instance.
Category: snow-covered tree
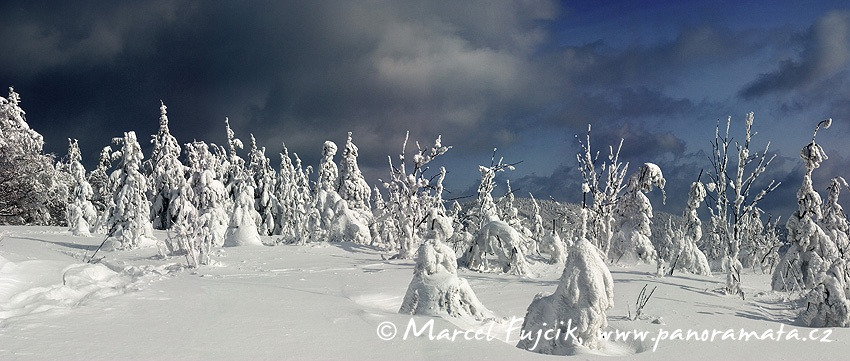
(552, 244)
(167, 173)
(436, 288)
(242, 229)
(485, 209)
(292, 210)
(352, 186)
(80, 213)
(183, 233)
(410, 195)
(232, 166)
(631, 241)
(826, 303)
(495, 236)
(324, 204)
(605, 192)
(834, 220)
(208, 197)
(510, 214)
(129, 218)
(689, 257)
(667, 247)
(585, 292)
(349, 198)
(29, 191)
(264, 178)
(101, 189)
(812, 252)
(734, 198)
(499, 239)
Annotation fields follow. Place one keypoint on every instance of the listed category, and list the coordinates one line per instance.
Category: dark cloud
(825, 51)
(622, 105)
(287, 71)
(484, 74)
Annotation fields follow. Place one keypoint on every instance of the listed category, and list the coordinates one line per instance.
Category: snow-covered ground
(337, 301)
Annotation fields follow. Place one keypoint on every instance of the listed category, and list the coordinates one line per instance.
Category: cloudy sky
(521, 76)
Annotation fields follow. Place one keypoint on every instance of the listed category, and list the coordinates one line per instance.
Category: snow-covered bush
(435, 288)
(631, 241)
(585, 292)
(129, 218)
(167, 173)
(80, 213)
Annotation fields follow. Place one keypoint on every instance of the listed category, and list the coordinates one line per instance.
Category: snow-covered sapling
(129, 217)
(634, 213)
(80, 213)
(690, 258)
(242, 229)
(826, 303)
(436, 289)
(167, 174)
(585, 292)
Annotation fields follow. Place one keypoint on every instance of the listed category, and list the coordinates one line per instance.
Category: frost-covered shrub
(435, 288)
(585, 292)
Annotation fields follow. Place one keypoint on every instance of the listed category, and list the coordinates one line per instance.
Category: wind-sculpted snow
(38, 286)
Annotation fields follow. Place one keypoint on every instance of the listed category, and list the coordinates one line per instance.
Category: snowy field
(333, 301)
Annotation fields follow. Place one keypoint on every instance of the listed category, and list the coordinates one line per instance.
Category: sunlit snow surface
(334, 301)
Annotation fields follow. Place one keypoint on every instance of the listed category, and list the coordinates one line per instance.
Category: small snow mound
(383, 302)
(78, 283)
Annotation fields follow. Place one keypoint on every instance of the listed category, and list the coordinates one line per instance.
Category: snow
(327, 301)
